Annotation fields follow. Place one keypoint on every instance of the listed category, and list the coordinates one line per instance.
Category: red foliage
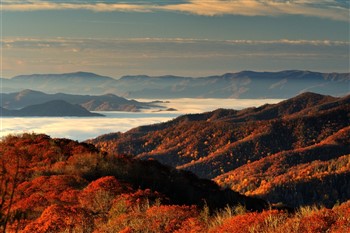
(168, 218)
(34, 196)
(99, 194)
(110, 184)
(342, 223)
(140, 197)
(37, 195)
(58, 218)
(246, 222)
(192, 225)
(319, 221)
(52, 186)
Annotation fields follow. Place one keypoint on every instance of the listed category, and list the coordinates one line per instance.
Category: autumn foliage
(58, 185)
(296, 152)
(275, 152)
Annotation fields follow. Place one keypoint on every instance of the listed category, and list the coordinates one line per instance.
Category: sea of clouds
(82, 128)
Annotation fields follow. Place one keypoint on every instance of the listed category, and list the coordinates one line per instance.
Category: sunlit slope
(219, 142)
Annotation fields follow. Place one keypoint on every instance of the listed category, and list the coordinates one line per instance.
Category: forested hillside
(43, 180)
(276, 168)
(273, 151)
(59, 185)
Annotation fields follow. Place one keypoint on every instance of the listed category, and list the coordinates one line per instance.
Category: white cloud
(321, 8)
(190, 105)
(85, 128)
(34, 43)
(74, 128)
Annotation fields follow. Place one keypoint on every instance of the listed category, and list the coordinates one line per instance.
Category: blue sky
(181, 37)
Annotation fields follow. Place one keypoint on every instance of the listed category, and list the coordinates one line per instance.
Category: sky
(178, 37)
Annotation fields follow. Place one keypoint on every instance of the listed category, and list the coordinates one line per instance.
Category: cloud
(321, 8)
(178, 56)
(103, 7)
(191, 105)
(85, 128)
(332, 9)
(140, 51)
(100, 43)
(74, 128)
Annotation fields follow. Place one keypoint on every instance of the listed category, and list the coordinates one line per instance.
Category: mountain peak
(311, 97)
(83, 73)
(29, 91)
(309, 94)
(74, 75)
(56, 108)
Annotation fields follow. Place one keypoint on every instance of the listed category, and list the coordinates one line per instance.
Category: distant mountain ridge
(85, 76)
(245, 84)
(107, 102)
(296, 141)
(54, 108)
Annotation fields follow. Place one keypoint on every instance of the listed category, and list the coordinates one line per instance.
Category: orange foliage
(168, 218)
(40, 194)
(108, 183)
(58, 218)
(99, 194)
(246, 222)
(192, 225)
(52, 188)
(342, 223)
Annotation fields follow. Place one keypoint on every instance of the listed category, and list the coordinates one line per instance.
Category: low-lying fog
(78, 128)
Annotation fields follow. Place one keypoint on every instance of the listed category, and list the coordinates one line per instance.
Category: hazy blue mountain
(107, 102)
(245, 84)
(54, 108)
(75, 83)
(83, 76)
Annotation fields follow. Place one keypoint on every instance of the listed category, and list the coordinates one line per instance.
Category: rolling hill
(78, 82)
(306, 135)
(54, 108)
(267, 164)
(107, 102)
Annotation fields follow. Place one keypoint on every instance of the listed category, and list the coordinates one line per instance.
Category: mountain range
(275, 151)
(245, 84)
(265, 164)
(107, 102)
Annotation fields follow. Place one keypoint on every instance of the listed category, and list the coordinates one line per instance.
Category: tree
(12, 171)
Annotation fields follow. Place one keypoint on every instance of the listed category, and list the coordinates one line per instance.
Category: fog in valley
(82, 128)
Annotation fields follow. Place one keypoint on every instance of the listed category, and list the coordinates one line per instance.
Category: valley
(176, 164)
(107, 102)
(199, 172)
(293, 141)
(187, 116)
